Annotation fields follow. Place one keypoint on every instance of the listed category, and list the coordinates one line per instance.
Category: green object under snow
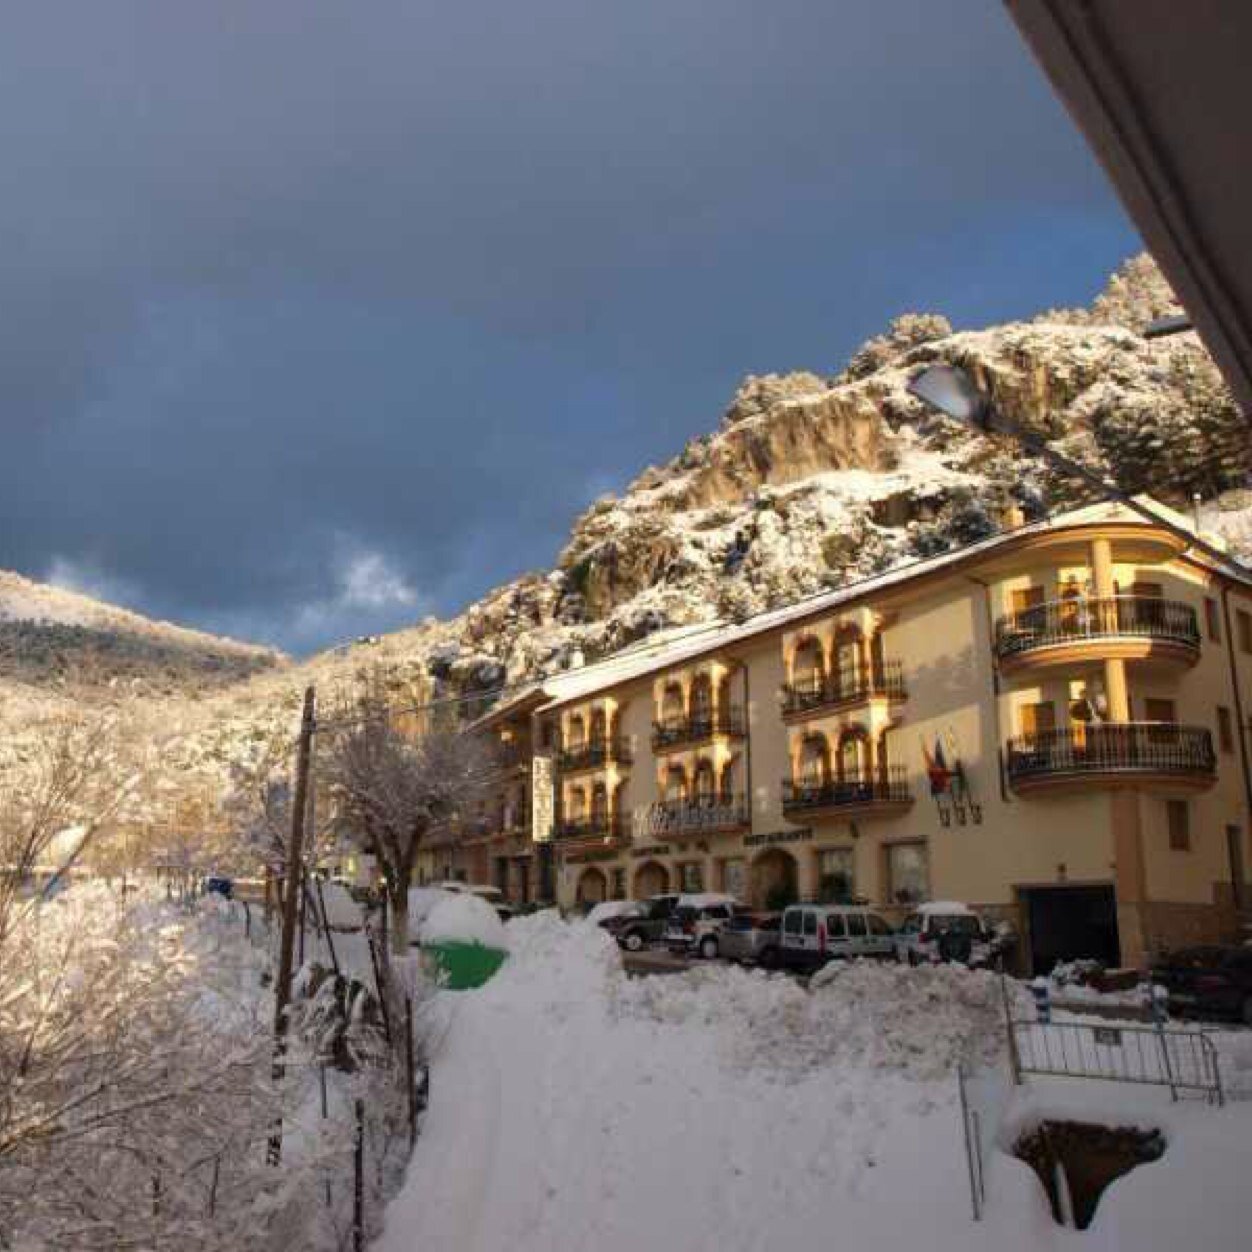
(464, 965)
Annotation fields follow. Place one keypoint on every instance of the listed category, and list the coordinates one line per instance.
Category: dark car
(1209, 981)
(642, 925)
(219, 884)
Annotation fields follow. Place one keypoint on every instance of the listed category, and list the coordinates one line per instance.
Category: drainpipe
(1243, 733)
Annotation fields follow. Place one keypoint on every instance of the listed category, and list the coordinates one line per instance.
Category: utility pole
(282, 984)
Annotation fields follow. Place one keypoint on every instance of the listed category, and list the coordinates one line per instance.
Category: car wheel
(768, 958)
(632, 941)
(708, 947)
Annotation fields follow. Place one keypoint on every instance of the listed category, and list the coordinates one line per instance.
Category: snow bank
(610, 908)
(464, 919)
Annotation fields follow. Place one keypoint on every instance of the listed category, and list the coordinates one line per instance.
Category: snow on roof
(944, 908)
(672, 647)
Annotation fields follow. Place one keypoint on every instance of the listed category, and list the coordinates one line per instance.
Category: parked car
(1208, 981)
(219, 884)
(697, 922)
(812, 934)
(751, 938)
(945, 931)
(637, 928)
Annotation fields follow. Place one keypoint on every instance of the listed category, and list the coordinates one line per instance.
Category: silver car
(751, 938)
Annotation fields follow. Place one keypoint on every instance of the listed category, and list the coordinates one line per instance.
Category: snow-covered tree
(394, 780)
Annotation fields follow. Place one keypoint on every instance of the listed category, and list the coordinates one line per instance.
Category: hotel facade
(1051, 726)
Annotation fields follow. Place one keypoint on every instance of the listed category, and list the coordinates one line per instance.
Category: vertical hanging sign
(542, 798)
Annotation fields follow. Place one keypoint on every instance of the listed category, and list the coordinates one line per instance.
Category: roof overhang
(1159, 90)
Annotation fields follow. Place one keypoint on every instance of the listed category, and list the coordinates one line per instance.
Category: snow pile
(342, 911)
(920, 1022)
(610, 908)
(464, 919)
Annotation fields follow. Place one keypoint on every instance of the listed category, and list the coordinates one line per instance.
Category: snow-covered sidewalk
(575, 1108)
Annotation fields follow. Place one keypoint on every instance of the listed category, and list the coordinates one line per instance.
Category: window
(1225, 730)
(1026, 598)
(792, 921)
(734, 878)
(834, 875)
(907, 873)
(619, 884)
(1243, 628)
(1212, 620)
(692, 876)
(1037, 719)
(810, 923)
(1179, 815)
(856, 925)
(834, 926)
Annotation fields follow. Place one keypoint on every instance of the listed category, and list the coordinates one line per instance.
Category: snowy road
(573, 1108)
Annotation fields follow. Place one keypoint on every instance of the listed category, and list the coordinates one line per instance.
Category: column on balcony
(1114, 667)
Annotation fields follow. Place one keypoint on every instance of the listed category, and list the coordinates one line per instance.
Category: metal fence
(1182, 1060)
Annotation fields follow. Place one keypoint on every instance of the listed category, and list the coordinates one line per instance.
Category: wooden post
(330, 943)
(410, 1075)
(358, 1181)
(282, 984)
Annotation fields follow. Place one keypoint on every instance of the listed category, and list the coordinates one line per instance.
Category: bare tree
(393, 786)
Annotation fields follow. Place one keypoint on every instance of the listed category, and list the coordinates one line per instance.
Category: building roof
(667, 649)
(1159, 90)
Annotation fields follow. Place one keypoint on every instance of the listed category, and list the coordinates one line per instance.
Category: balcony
(852, 685)
(1112, 754)
(594, 754)
(679, 732)
(595, 830)
(1136, 628)
(677, 819)
(864, 794)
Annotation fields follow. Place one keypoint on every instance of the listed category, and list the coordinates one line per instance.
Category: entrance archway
(592, 887)
(651, 879)
(773, 880)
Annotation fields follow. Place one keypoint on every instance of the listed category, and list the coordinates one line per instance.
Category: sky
(317, 318)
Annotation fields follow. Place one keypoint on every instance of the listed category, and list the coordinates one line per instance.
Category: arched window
(808, 669)
(848, 658)
(672, 709)
(577, 804)
(577, 731)
(729, 777)
(853, 755)
(702, 699)
(705, 783)
(814, 761)
(600, 804)
(598, 730)
(675, 784)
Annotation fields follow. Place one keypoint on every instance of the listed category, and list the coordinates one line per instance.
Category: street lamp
(952, 391)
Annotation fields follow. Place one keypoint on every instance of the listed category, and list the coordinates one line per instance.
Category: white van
(812, 934)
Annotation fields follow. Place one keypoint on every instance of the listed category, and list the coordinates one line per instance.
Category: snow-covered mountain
(809, 479)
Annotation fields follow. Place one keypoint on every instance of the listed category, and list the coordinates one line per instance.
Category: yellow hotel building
(1050, 725)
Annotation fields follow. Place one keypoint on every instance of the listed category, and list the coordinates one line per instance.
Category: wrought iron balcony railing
(593, 754)
(672, 732)
(1102, 617)
(674, 818)
(851, 683)
(1112, 748)
(607, 828)
(852, 791)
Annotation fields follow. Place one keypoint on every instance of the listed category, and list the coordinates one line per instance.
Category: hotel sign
(542, 798)
(777, 836)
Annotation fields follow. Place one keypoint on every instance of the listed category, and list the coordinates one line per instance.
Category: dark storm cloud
(319, 316)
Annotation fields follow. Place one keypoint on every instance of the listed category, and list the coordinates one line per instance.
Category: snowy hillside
(808, 480)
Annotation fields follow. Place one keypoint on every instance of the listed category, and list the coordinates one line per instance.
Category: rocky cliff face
(809, 480)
